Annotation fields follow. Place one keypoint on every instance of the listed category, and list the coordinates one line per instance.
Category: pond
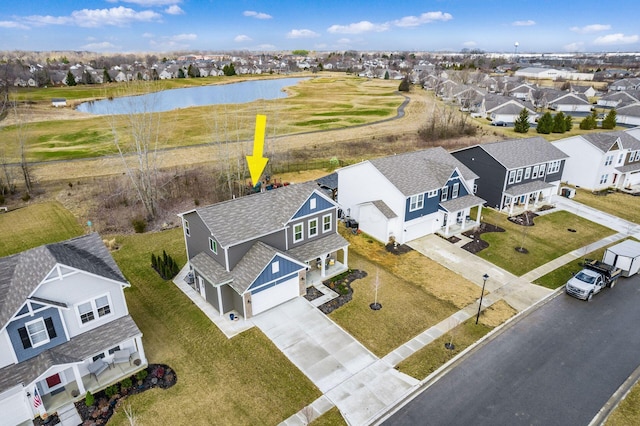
(167, 100)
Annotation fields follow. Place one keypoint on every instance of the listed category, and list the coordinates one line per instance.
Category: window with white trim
(433, 193)
(37, 332)
(444, 194)
(534, 175)
(554, 167)
(313, 227)
(475, 188)
(519, 175)
(512, 177)
(312, 203)
(620, 158)
(541, 171)
(637, 156)
(298, 232)
(454, 191)
(186, 228)
(92, 309)
(327, 223)
(608, 160)
(417, 202)
(527, 173)
(603, 179)
(213, 245)
(275, 267)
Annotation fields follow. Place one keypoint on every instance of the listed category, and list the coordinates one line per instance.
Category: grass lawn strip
(244, 380)
(35, 225)
(330, 418)
(619, 204)
(545, 241)
(433, 356)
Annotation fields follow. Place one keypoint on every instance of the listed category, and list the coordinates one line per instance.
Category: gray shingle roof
(460, 203)
(21, 273)
(246, 218)
(215, 273)
(384, 209)
(605, 140)
(632, 110)
(516, 153)
(316, 248)
(527, 188)
(422, 171)
(75, 350)
(253, 262)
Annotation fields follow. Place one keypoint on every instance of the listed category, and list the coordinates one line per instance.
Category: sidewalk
(519, 292)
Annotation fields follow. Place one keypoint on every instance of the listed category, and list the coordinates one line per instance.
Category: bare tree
(21, 120)
(136, 134)
(130, 415)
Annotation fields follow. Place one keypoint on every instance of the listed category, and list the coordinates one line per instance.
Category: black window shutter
(50, 328)
(24, 336)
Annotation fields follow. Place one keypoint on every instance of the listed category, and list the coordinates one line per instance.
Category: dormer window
(37, 332)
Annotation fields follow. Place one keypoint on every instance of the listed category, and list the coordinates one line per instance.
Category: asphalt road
(557, 365)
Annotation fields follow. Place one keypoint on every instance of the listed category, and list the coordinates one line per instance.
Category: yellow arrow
(257, 162)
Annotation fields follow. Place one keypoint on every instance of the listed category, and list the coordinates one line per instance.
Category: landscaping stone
(342, 286)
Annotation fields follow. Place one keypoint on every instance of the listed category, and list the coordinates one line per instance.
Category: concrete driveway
(353, 378)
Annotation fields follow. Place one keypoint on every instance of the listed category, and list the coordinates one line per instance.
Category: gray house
(252, 253)
(517, 172)
(64, 324)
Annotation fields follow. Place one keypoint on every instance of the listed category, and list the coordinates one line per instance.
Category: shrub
(404, 85)
(126, 383)
(589, 122)
(89, 399)
(609, 121)
(139, 224)
(111, 390)
(26, 197)
(142, 374)
(164, 265)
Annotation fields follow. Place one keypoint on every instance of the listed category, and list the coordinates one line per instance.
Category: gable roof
(422, 171)
(572, 98)
(605, 140)
(244, 218)
(516, 153)
(21, 273)
(632, 110)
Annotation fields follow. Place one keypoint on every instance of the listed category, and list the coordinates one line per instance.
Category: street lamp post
(485, 277)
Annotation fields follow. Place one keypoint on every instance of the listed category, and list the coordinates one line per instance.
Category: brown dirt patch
(497, 313)
(524, 218)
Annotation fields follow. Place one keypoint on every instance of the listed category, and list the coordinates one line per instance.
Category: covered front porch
(456, 216)
(325, 257)
(528, 196)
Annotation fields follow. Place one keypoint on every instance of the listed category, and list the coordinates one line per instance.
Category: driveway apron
(354, 379)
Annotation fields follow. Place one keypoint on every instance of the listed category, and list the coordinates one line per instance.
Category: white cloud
(174, 9)
(617, 38)
(344, 41)
(526, 23)
(13, 24)
(302, 34)
(593, 28)
(357, 28)
(92, 18)
(469, 44)
(105, 45)
(148, 3)
(183, 37)
(241, 38)
(257, 15)
(574, 47)
(425, 18)
(148, 35)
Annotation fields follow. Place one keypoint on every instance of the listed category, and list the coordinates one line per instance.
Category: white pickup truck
(594, 277)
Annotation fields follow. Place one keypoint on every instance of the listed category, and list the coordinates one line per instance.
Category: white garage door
(14, 410)
(273, 296)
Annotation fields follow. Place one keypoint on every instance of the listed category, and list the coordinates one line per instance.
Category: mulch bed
(452, 239)
(524, 219)
(545, 207)
(477, 244)
(398, 248)
(159, 376)
(342, 286)
(312, 293)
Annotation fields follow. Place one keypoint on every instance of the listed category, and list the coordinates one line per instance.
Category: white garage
(273, 294)
(14, 407)
(418, 228)
(378, 220)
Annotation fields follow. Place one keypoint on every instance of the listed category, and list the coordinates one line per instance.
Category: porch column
(345, 251)
(78, 378)
(511, 206)
(535, 203)
(464, 219)
(446, 228)
(479, 215)
(323, 271)
(526, 205)
(219, 300)
(140, 348)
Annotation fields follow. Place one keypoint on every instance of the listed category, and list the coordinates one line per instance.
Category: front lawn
(35, 225)
(618, 204)
(415, 292)
(548, 239)
(243, 380)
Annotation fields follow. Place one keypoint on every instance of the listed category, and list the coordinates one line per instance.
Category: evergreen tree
(180, 73)
(229, 70)
(568, 123)
(559, 123)
(545, 124)
(70, 80)
(521, 125)
(589, 123)
(106, 78)
(609, 121)
(386, 75)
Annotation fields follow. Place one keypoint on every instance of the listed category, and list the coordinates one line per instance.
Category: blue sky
(324, 25)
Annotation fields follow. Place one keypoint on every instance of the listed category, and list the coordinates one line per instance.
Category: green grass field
(35, 225)
(548, 239)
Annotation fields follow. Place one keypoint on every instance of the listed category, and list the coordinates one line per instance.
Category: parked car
(592, 279)
(499, 123)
